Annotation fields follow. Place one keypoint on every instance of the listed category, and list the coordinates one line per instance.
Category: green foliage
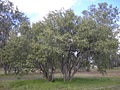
(103, 14)
(99, 32)
(53, 42)
(10, 18)
(14, 53)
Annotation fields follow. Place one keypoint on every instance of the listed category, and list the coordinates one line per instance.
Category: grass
(19, 76)
(75, 84)
(83, 81)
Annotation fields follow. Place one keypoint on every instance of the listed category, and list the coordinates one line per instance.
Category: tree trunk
(47, 71)
(5, 66)
(67, 77)
(5, 71)
(48, 75)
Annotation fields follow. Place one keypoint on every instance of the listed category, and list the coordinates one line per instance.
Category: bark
(49, 75)
(6, 68)
(47, 68)
(70, 65)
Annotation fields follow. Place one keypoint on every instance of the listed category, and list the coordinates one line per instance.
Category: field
(82, 81)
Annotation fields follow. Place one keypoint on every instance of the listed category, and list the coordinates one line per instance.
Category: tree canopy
(62, 41)
(10, 18)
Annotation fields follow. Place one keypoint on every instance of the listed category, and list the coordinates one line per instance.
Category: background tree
(101, 43)
(103, 40)
(10, 17)
(10, 20)
(14, 53)
(103, 14)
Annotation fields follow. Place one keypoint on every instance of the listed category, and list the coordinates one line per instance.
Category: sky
(37, 9)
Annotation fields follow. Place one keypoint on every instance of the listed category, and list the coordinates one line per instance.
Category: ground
(82, 81)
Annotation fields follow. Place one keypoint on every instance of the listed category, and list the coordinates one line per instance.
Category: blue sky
(37, 9)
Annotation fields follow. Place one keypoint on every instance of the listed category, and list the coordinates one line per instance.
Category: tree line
(62, 40)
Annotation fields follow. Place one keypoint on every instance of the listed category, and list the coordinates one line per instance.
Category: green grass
(85, 81)
(75, 84)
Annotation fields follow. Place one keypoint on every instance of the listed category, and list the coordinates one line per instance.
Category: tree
(65, 41)
(65, 24)
(101, 43)
(14, 54)
(89, 39)
(102, 38)
(10, 18)
(43, 49)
